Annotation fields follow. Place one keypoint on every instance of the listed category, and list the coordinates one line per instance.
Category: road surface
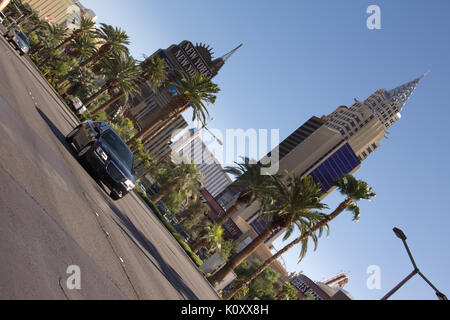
(54, 215)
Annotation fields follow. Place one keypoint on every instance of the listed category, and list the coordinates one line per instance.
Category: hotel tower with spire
(185, 57)
(327, 148)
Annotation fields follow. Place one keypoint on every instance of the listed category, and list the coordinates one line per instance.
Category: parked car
(101, 149)
(77, 104)
(19, 40)
(2, 17)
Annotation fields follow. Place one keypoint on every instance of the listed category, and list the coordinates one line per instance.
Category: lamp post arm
(438, 293)
(409, 254)
(390, 293)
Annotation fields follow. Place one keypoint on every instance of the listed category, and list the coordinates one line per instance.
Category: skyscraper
(183, 57)
(191, 147)
(337, 147)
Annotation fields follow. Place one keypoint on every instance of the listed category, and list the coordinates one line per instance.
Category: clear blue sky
(304, 58)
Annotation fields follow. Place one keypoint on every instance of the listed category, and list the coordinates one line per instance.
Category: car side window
(101, 126)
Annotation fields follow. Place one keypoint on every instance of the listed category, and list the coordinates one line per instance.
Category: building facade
(61, 12)
(3, 4)
(330, 289)
(336, 146)
(159, 147)
(185, 57)
(191, 148)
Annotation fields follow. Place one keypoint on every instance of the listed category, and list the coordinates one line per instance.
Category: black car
(19, 40)
(100, 148)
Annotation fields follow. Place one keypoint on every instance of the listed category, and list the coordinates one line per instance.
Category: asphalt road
(54, 215)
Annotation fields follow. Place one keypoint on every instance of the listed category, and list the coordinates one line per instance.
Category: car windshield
(119, 147)
(24, 38)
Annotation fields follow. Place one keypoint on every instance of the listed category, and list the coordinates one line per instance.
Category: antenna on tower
(229, 54)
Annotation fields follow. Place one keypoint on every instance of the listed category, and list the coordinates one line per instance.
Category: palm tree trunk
(165, 190)
(241, 201)
(91, 60)
(102, 52)
(300, 239)
(156, 131)
(37, 48)
(132, 145)
(107, 104)
(66, 41)
(198, 244)
(159, 129)
(235, 261)
(147, 171)
(175, 107)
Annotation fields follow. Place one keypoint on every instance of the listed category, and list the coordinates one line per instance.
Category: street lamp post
(399, 233)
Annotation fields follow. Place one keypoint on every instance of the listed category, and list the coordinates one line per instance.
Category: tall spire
(402, 93)
(218, 63)
(229, 54)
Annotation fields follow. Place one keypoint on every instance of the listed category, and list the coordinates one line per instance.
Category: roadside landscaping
(170, 228)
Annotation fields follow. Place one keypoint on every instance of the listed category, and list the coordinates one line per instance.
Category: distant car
(77, 104)
(19, 40)
(142, 188)
(2, 17)
(101, 149)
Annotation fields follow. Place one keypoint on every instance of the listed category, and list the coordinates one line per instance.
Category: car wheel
(84, 151)
(72, 134)
(115, 196)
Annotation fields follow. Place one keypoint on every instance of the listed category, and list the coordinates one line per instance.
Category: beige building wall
(54, 11)
(3, 4)
(301, 158)
(263, 252)
(306, 157)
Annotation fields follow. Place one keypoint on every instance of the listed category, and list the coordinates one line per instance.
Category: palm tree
(113, 41)
(285, 203)
(33, 23)
(250, 180)
(83, 83)
(184, 178)
(83, 47)
(120, 73)
(193, 215)
(86, 27)
(193, 91)
(212, 236)
(353, 190)
(51, 34)
(154, 71)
